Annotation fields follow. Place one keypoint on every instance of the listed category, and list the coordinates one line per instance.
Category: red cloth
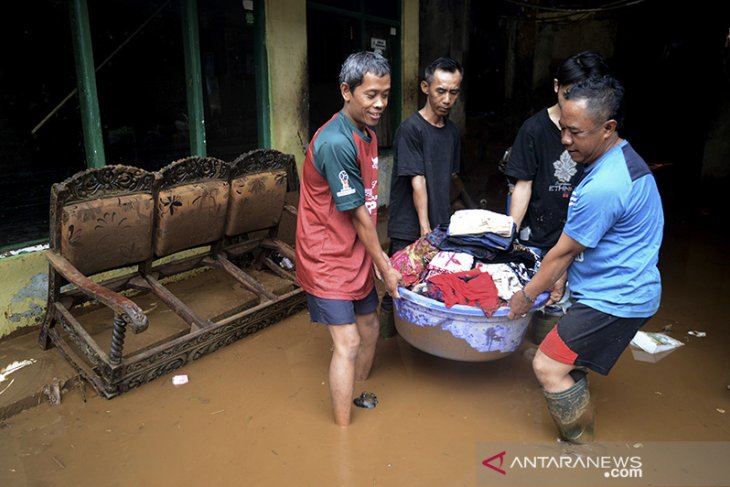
(472, 288)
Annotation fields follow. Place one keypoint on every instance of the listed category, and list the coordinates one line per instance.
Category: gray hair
(358, 64)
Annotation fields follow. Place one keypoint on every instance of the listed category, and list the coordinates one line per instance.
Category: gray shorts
(340, 311)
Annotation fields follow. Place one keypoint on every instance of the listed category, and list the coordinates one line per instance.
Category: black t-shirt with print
(538, 156)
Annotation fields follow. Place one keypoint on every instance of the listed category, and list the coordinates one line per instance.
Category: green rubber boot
(572, 411)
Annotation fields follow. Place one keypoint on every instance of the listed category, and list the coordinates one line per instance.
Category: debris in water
(52, 392)
(366, 400)
(14, 367)
(653, 342)
(698, 334)
(283, 262)
(58, 462)
(179, 380)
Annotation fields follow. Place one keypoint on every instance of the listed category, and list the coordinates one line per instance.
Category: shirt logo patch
(345, 180)
(375, 162)
(565, 167)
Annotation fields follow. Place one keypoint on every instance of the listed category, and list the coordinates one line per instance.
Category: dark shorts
(587, 337)
(340, 311)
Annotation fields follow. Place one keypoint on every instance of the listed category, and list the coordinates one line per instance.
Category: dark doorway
(338, 29)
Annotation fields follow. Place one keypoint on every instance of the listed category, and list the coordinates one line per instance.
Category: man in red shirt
(336, 242)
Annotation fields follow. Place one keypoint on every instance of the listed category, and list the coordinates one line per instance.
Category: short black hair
(604, 97)
(444, 64)
(581, 66)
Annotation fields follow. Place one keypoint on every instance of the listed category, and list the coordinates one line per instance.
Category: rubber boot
(542, 323)
(571, 410)
(387, 320)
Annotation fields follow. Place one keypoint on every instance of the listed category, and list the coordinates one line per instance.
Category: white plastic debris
(179, 380)
(14, 367)
(698, 334)
(653, 342)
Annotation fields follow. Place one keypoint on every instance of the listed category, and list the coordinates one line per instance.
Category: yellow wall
(23, 291)
(409, 50)
(286, 42)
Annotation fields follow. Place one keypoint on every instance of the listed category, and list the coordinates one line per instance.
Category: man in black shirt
(427, 152)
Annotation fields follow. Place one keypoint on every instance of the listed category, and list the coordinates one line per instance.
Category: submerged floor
(257, 412)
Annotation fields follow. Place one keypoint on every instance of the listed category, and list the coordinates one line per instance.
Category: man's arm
(552, 268)
(368, 235)
(420, 201)
(520, 200)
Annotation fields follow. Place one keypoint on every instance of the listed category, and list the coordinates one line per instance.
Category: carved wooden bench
(181, 256)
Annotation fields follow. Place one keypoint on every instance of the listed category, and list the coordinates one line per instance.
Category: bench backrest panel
(107, 233)
(191, 204)
(256, 203)
(102, 218)
(259, 182)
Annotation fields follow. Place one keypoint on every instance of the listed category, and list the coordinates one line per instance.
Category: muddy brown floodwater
(257, 412)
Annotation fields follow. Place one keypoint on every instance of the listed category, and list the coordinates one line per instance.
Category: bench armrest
(138, 321)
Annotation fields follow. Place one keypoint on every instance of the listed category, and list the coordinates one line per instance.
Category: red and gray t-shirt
(340, 173)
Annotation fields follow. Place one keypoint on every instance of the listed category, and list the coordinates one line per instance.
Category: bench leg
(120, 329)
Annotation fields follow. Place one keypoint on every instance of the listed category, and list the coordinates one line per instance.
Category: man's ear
(610, 126)
(424, 87)
(555, 85)
(345, 92)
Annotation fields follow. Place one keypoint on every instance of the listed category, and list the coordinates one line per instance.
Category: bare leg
(368, 327)
(554, 376)
(346, 341)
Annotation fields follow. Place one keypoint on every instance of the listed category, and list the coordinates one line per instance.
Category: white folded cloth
(472, 222)
(504, 278)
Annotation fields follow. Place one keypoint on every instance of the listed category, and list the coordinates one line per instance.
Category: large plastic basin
(460, 332)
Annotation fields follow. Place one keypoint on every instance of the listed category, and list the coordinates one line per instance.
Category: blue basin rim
(461, 309)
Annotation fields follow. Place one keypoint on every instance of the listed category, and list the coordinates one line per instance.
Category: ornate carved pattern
(261, 160)
(193, 168)
(102, 182)
(83, 347)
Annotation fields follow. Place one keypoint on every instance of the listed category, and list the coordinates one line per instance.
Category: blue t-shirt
(616, 213)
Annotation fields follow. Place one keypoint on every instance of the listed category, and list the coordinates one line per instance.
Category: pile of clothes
(475, 260)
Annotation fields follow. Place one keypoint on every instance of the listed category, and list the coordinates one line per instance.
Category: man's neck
(554, 114)
(431, 117)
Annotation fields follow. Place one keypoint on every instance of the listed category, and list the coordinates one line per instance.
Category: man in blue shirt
(609, 248)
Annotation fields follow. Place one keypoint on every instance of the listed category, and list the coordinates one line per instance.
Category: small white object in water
(179, 380)
(698, 334)
(653, 342)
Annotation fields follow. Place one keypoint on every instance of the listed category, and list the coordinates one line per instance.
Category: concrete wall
(410, 58)
(286, 41)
